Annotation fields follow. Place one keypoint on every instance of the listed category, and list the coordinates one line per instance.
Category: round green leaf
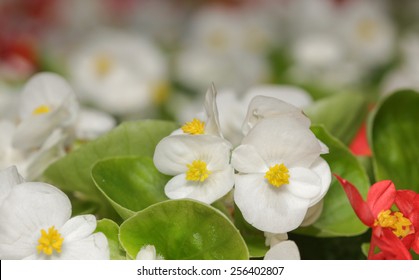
(338, 217)
(111, 231)
(130, 183)
(183, 230)
(394, 134)
(72, 173)
(341, 114)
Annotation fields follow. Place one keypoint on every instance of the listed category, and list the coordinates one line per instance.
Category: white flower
(200, 165)
(124, 78)
(281, 174)
(206, 122)
(31, 163)
(285, 250)
(280, 247)
(35, 223)
(148, 252)
(93, 123)
(47, 103)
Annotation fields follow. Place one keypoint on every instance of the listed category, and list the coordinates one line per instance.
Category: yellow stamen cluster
(277, 175)
(103, 65)
(197, 171)
(160, 92)
(50, 241)
(42, 109)
(367, 29)
(394, 220)
(194, 127)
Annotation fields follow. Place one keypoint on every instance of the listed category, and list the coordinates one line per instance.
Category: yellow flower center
(394, 220)
(367, 29)
(42, 109)
(161, 92)
(194, 127)
(103, 65)
(50, 241)
(277, 175)
(197, 171)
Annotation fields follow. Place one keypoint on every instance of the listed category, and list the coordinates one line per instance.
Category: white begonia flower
(280, 247)
(126, 78)
(200, 165)
(47, 103)
(31, 163)
(366, 29)
(35, 223)
(93, 123)
(148, 252)
(281, 174)
(285, 250)
(206, 122)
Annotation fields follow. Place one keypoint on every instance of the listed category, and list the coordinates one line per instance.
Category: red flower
(394, 232)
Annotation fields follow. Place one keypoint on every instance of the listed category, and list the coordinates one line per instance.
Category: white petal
(218, 184)
(175, 152)
(246, 159)
(9, 178)
(268, 208)
(47, 89)
(93, 123)
(313, 213)
(303, 183)
(93, 247)
(284, 140)
(78, 227)
(29, 208)
(212, 124)
(285, 250)
(262, 107)
(293, 95)
(32, 132)
(148, 252)
(322, 169)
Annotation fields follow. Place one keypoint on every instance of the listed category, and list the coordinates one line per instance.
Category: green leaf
(183, 229)
(139, 138)
(341, 114)
(338, 217)
(130, 183)
(393, 135)
(254, 238)
(111, 231)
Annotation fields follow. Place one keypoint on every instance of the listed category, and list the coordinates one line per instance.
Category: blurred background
(156, 58)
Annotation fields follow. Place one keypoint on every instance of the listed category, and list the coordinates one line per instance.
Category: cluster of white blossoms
(35, 223)
(278, 176)
(48, 119)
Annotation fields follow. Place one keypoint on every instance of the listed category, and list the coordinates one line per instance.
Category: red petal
(359, 145)
(381, 196)
(390, 245)
(360, 207)
(404, 201)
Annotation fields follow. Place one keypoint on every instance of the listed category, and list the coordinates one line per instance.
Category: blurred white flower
(124, 78)
(35, 223)
(367, 32)
(9, 99)
(92, 123)
(404, 76)
(281, 174)
(225, 46)
(47, 103)
(200, 165)
(148, 252)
